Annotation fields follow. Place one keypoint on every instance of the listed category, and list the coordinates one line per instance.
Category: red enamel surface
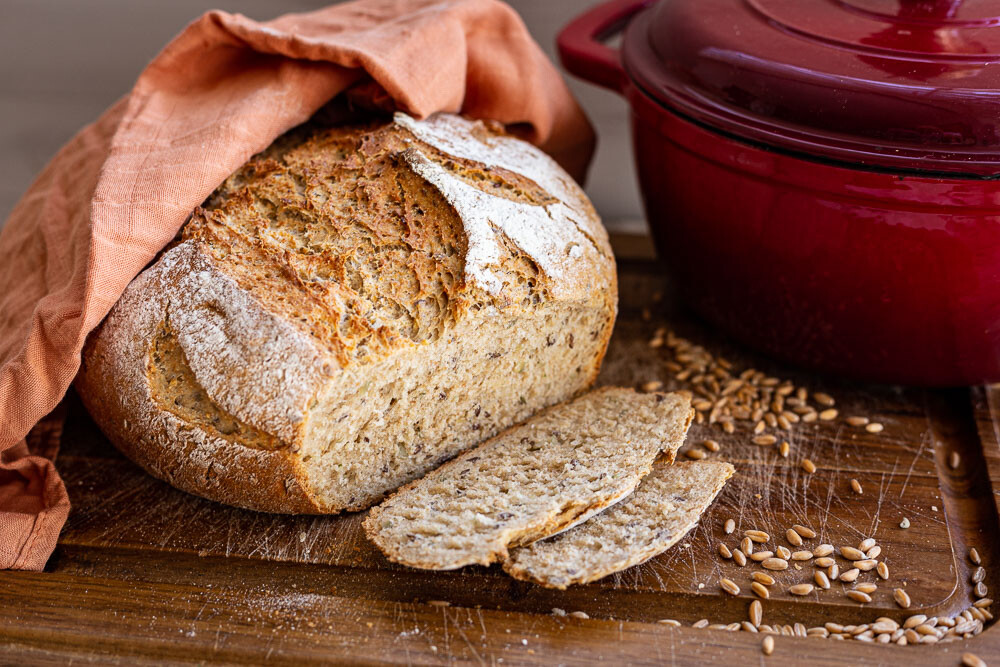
(803, 236)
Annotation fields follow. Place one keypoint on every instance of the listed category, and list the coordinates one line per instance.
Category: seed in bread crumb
(856, 486)
(767, 646)
(652, 385)
(874, 427)
(905, 523)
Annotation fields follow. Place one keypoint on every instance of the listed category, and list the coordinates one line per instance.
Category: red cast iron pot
(820, 176)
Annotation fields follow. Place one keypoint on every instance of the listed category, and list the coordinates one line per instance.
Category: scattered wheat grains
(652, 385)
(760, 590)
(978, 574)
(758, 536)
(793, 537)
(808, 466)
(746, 546)
(759, 556)
(850, 576)
(866, 544)
(729, 586)
(827, 415)
(954, 460)
(974, 556)
(439, 603)
(784, 449)
(883, 570)
(764, 440)
(821, 579)
(804, 554)
(767, 646)
(858, 596)
(696, 454)
(856, 486)
(901, 597)
(729, 527)
(711, 445)
(824, 561)
(783, 552)
(724, 551)
(763, 578)
(739, 557)
(756, 613)
(805, 531)
(905, 523)
(775, 564)
(874, 427)
(823, 550)
(969, 660)
(857, 421)
(866, 587)
(801, 589)
(850, 553)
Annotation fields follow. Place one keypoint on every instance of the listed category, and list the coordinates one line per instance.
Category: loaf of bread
(552, 472)
(350, 309)
(664, 508)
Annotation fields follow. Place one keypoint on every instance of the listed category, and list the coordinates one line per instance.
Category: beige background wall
(63, 61)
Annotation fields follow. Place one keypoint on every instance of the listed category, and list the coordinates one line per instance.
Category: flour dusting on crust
(562, 237)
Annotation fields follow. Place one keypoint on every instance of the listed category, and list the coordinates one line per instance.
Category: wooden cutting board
(154, 574)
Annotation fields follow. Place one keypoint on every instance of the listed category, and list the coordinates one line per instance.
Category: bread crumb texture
(666, 505)
(532, 481)
(352, 307)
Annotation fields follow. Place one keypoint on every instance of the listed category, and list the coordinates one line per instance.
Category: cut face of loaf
(534, 480)
(351, 308)
(663, 509)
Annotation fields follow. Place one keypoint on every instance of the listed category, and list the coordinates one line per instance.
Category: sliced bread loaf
(351, 308)
(531, 481)
(667, 504)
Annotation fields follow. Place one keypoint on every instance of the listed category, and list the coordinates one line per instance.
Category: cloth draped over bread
(221, 91)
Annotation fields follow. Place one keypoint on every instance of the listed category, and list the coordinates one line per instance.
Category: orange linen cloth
(221, 91)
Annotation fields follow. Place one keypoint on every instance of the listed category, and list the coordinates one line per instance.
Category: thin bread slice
(667, 504)
(555, 470)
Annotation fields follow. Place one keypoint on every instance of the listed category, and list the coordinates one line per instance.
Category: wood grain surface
(145, 573)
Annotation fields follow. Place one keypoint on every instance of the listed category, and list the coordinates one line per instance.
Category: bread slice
(667, 504)
(350, 309)
(531, 481)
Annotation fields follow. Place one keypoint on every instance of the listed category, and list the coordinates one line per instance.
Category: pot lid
(910, 84)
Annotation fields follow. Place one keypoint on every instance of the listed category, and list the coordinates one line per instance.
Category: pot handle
(582, 51)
